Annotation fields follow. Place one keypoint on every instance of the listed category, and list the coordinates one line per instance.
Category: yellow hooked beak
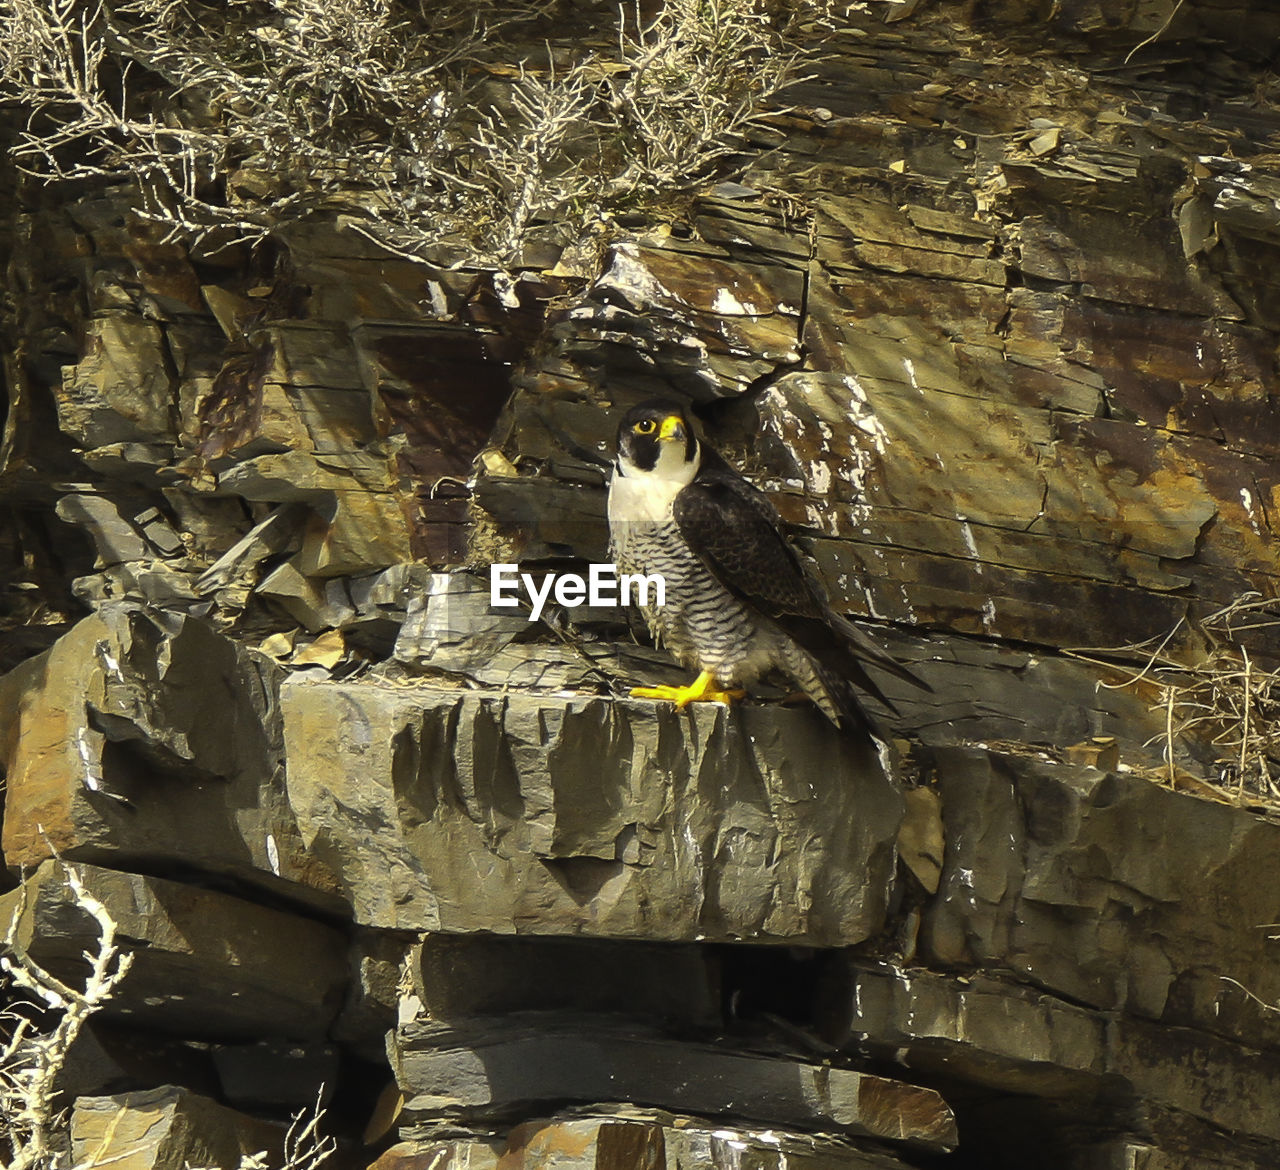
(672, 427)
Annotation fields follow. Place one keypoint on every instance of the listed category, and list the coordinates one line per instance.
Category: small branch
(1155, 36)
(1271, 1007)
(334, 106)
(32, 1061)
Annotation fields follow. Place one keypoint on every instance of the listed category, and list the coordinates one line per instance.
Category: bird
(739, 603)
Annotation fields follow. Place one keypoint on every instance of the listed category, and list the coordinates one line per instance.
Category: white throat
(636, 495)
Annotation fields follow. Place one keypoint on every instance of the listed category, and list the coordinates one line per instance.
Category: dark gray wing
(738, 535)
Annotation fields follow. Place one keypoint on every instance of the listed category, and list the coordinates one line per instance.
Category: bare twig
(282, 109)
(305, 1148)
(31, 1060)
(1219, 694)
(1271, 1007)
(1155, 36)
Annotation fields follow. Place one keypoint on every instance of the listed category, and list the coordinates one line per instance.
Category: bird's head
(656, 437)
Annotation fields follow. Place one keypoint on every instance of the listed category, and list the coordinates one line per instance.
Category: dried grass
(1211, 691)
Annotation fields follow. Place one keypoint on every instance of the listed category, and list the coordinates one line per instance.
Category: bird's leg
(701, 690)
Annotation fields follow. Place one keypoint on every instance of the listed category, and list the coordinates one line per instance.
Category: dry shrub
(420, 123)
(44, 1017)
(33, 1133)
(1211, 691)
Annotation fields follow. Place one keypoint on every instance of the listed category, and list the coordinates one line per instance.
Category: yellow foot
(701, 690)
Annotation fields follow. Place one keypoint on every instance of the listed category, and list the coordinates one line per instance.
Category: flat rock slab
(636, 1139)
(168, 1128)
(986, 1031)
(472, 811)
(1108, 890)
(205, 964)
(497, 1072)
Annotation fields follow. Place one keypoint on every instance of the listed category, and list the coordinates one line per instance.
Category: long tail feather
(868, 650)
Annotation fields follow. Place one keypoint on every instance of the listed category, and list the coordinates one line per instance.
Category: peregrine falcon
(739, 603)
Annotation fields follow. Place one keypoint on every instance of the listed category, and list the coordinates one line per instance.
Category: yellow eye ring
(646, 426)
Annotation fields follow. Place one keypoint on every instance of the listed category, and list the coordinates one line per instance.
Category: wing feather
(739, 536)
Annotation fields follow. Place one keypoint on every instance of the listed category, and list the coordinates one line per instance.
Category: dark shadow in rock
(582, 878)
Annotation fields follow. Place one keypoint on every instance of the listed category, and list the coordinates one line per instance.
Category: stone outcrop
(1178, 1088)
(167, 1128)
(146, 738)
(472, 811)
(642, 1139)
(989, 310)
(1023, 843)
(517, 1062)
(203, 963)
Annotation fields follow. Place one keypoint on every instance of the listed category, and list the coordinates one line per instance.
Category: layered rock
(515, 1063)
(1062, 876)
(204, 964)
(991, 315)
(1177, 1089)
(463, 811)
(146, 738)
(635, 1138)
(167, 1129)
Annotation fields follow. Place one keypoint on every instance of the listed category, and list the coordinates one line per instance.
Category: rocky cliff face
(989, 310)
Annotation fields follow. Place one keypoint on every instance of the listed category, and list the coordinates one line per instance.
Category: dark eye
(646, 427)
